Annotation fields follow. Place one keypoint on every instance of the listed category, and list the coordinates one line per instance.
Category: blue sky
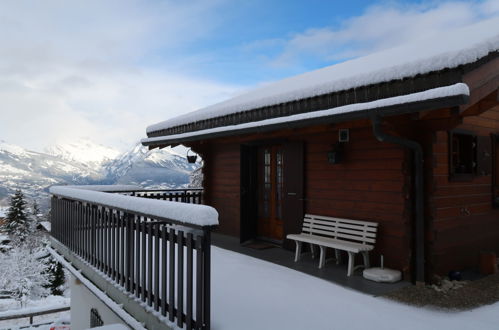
(249, 34)
(104, 70)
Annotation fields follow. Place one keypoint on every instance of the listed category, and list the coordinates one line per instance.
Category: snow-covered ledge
(189, 214)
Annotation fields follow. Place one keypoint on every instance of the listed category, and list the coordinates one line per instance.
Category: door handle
(291, 194)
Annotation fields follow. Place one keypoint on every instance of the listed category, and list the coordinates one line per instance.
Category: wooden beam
(442, 124)
(436, 114)
(488, 102)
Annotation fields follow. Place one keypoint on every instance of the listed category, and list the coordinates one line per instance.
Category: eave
(437, 98)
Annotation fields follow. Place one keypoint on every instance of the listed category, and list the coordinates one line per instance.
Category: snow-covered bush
(196, 178)
(23, 274)
(55, 275)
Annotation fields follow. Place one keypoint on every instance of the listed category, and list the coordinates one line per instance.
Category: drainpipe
(417, 152)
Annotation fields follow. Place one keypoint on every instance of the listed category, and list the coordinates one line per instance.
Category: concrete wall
(82, 301)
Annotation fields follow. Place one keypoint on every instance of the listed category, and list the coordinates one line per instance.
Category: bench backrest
(344, 229)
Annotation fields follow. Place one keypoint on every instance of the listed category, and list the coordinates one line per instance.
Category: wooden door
(270, 192)
(293, 196)
(249, 193)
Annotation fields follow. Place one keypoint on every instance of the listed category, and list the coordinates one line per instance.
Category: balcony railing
(193, 196)
(150, 248)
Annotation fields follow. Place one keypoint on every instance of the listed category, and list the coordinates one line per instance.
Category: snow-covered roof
(194, 214)
(438, 51)
(459, 89)
(46, 225)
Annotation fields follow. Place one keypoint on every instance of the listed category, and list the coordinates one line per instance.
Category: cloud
(380, 27)
(81, 69)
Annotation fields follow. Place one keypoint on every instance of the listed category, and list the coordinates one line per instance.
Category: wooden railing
(162, 262)
(31, 313)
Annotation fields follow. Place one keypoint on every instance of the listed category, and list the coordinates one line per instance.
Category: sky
(105, 70)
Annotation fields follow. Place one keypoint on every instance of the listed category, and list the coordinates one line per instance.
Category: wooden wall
(222, 185)
(464, 221)
(371, 184)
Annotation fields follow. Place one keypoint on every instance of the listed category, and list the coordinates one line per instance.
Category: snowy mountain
(84, 151)
(34, 172)
(157, 168)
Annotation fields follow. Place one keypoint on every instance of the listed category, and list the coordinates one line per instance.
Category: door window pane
(279, 182)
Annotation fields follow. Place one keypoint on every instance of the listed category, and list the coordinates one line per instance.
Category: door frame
(249, 189)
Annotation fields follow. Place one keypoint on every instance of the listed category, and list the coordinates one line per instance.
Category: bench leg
(337, 254)
(298, 251)
(351, 261)
(312, 248)
(322, 259)
(365, 255)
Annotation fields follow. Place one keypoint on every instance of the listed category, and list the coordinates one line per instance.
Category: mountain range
(85, 162)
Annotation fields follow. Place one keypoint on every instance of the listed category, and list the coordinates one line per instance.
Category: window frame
(453, 176)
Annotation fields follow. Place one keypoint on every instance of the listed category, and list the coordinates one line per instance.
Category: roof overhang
(432, 99)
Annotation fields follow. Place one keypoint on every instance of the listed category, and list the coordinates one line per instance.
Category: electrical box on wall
(344, 135)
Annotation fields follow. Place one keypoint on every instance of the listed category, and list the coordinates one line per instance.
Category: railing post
(207, 278)
(92, 235)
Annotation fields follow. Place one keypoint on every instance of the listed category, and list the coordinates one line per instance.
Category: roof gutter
(419, 223)
(390, 110)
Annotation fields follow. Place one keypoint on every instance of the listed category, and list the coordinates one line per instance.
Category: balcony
(148, 250)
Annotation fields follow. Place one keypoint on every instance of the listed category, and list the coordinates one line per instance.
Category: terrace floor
(250, 293)
(330, 272)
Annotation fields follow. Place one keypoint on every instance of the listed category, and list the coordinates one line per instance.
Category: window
(462, 155)
(95, 320)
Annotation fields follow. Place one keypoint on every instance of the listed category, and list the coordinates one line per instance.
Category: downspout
(417, 151)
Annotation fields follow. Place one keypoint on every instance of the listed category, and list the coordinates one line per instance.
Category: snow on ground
(249, 293)
(3, 211)
(8, 305)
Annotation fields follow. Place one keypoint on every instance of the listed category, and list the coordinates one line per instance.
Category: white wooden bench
(352, 236)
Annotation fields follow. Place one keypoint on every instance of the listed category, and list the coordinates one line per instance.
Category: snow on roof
(200, 215)
(435, 93)
(438, 51)
(46, 225)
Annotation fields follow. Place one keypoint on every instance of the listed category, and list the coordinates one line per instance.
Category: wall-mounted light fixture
(335, 156)
(337, 153)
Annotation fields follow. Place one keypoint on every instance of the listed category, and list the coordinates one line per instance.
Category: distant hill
(84, 162)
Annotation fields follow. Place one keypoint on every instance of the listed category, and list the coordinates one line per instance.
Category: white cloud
(381, 27)
(79, 69)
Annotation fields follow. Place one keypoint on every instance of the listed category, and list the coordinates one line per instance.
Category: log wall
(222, 185)
(464, 220)
(371, 184)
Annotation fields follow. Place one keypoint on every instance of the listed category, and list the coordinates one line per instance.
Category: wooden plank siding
(464, 221)
(222, 185)
(371, 184)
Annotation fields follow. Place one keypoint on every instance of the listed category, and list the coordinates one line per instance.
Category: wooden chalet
(407, 138)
